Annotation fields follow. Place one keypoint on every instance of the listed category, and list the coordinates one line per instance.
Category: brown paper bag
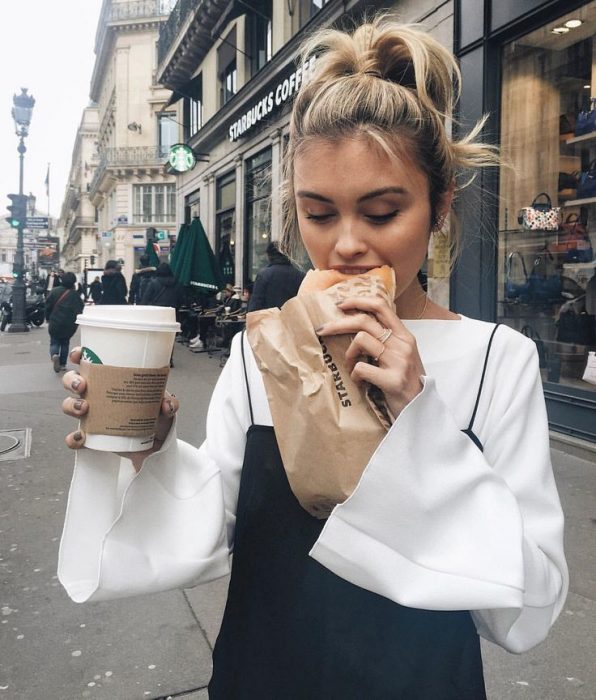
(326, 426)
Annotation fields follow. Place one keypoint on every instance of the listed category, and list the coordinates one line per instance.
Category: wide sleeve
(437, 524)
(170, 525)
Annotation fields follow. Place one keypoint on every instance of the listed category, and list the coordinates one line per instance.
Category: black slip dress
(293, 630)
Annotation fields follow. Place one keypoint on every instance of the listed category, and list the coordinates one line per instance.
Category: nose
(350, 243)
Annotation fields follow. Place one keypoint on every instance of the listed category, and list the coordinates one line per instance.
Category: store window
(167, 132)
(226, 67)
(258, 212)
(154, 204)
(192, 206)
(225, 225)
(259, 37)
(547, 216)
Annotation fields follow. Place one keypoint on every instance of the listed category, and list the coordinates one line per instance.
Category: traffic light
(92, 260)
(18, 210)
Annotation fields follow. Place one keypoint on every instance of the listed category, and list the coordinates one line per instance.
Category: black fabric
(139, 283)
(163, 291)
(292, 629)
(114, 288)
(274, 285)
(61, 312)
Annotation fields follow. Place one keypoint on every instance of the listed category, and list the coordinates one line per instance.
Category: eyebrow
(303, 194)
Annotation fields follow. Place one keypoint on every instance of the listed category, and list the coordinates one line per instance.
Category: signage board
(181, 158)
(273, 98)
(36, 222)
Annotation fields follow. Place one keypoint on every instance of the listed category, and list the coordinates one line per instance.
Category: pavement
(159, 646)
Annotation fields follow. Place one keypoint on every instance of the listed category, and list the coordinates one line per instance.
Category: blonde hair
(397, 86)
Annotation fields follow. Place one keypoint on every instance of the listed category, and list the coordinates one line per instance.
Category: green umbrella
(193, 261)
(151, 253)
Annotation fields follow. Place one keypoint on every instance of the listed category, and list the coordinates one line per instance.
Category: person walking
(276, 283)
(140, 280)
(95, 290)
(62, 307)
(454, 529)
(113, 284)
(164, 290)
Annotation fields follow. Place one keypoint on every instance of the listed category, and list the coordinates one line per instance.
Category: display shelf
(579, 202)
(581, 139)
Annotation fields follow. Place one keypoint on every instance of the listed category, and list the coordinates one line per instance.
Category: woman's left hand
(397, 367)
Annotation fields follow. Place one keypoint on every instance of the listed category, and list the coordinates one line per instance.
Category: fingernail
(78, 436)
(75, 383)
(320, 328)
(171, 405)
(78, 405)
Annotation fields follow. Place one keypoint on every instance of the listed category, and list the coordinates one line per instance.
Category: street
(160, 645)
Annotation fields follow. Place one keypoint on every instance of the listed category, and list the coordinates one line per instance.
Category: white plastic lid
(132, 318)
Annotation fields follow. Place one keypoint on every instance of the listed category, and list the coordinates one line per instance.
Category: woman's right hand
(76, 406)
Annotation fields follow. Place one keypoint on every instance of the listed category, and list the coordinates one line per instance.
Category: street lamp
(21, 113)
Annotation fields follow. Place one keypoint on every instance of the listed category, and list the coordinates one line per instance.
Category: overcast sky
(46, 47)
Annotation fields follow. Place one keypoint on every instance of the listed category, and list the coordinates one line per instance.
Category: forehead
(356, 162)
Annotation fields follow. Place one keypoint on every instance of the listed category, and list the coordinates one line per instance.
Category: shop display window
(258, 211)
(225, 225)
(547, 206)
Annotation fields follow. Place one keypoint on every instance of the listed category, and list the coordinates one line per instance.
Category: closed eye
(321, 218)
(382, 218)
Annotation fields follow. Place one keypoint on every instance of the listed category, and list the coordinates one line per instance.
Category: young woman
(455, 528)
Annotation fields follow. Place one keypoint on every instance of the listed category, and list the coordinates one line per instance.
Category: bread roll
(319, 280)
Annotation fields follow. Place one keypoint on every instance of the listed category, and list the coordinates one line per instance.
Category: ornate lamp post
(21, 113)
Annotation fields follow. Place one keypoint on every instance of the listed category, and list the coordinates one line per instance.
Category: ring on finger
(376, 359)
(385, 335)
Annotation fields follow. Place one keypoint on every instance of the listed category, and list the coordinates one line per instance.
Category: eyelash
(378, 220)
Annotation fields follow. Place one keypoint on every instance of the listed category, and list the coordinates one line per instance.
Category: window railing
(128, 156)
(169, 30)
(153, 218)
(136, 9)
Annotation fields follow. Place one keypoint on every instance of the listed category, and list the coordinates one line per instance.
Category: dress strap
(470, 428)
(252, 418)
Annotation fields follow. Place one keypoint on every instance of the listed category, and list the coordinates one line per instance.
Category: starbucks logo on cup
(90, 356)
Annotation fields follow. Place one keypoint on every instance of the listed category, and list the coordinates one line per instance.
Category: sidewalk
(160, 645)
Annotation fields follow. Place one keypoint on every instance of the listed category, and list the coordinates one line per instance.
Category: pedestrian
(455, 528)
(95, 290)
(113, 284)
(140, 280)
(276, 283)
(61, 310)
(164, 290)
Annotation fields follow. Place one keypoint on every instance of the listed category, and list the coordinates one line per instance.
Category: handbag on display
(589, 374)
(531, 333)
(574, 243)
(545, 283)
(574, 325)
(540, 216)
(516, 287)
(586, 185)
(567, 181)
(585, 121)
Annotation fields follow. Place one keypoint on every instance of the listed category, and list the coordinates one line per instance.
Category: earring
(440, 222)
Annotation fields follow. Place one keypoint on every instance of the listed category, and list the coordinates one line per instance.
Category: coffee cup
(126, 353)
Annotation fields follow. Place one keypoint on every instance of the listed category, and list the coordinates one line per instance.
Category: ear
(444, 207)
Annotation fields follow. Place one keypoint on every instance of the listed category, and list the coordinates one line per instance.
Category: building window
(225, 225)
(154, 204)
(258, 212)
(309, 8)
(259, 37)
(547, 282)
(167, 132)
(192, 206)
(226, 67)
(193, 107)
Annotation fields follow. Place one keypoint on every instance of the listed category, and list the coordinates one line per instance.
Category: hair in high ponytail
(394, 84)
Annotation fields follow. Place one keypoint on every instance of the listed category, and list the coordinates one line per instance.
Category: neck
(412, 302)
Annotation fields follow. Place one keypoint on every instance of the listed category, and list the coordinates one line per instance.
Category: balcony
(186, 37)
(135, 159)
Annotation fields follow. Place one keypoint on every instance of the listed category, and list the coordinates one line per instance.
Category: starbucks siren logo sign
(90, 356)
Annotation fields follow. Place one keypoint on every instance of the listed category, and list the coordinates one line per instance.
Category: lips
(354, 270)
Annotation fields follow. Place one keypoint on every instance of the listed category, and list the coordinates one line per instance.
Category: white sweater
(434, 522)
